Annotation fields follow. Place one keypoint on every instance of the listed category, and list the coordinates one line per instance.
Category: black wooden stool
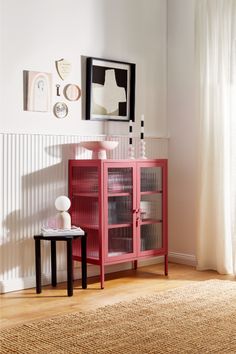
(53, 239)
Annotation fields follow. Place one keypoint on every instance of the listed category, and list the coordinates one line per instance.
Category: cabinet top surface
(97, 161)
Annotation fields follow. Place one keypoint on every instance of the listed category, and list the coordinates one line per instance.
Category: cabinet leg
(135, 264)
(166, 264)
(102, 276)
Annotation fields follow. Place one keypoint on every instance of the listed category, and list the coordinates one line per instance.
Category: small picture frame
(72, 92)
(60, 110)
(110, 90)
(37, 91)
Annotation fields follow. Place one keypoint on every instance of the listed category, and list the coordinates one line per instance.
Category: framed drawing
(110, 90)
(38, 91)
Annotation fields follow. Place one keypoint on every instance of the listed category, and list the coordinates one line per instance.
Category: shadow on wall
(36, 193)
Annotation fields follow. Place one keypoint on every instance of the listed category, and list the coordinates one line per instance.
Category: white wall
(33, 34)
(34, 160)
(182, 126)
(36, 33)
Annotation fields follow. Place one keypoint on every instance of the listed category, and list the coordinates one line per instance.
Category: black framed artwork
(110, 90)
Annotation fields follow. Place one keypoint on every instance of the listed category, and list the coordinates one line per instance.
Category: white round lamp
(62, 204)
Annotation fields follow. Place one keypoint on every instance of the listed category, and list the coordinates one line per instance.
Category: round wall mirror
(72, 92)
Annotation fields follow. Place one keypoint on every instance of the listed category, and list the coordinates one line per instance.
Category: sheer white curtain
(216, 71)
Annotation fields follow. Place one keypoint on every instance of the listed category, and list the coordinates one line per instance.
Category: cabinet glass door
(84, 210)
(151, 209)
(119, 199)
(85, 195)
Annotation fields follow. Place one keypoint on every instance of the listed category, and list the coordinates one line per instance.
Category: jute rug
(197, 318)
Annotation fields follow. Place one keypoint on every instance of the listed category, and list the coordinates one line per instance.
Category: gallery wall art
(63, 67)
(60, 110)
(72, 92)
(110, 90)
(38, 91)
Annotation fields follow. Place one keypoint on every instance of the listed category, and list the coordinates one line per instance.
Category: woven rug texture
(196, 318)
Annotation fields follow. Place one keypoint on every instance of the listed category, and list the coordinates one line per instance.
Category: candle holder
(142, 144)
(131, 152)
(131, 147)
(142, 149)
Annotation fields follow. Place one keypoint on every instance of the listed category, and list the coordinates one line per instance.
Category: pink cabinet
(122, 205)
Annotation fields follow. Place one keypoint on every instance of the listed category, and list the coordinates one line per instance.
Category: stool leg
(38, 266)
(69, 268)
(53, 263)
(84, 261)
(73, 269)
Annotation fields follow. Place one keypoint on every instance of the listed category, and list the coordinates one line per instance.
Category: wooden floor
(23, 306)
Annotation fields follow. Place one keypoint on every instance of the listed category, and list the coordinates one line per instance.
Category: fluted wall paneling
(33, 174)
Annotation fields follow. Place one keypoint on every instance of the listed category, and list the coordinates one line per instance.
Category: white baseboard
(15, 284)
(182, 258)
(29, 282)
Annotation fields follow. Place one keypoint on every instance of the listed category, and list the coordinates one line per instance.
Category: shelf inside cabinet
(150, 221)
(151, 192)
(117, 254)
(86, 194)
(114, 226)
(118, 194)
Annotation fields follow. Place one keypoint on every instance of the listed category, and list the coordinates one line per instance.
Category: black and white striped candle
(142, 127)
(130, 132)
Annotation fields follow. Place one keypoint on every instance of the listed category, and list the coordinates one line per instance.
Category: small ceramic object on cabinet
(99, 148)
